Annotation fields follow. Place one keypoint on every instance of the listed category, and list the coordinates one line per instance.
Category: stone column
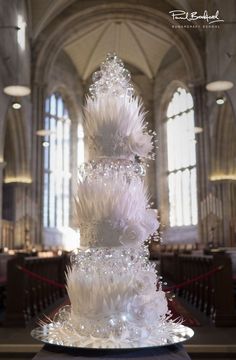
(203, 160)
(2, 166)
(36, 195)
(22, 221)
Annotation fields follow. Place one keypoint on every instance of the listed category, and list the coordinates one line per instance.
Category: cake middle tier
(112, 205)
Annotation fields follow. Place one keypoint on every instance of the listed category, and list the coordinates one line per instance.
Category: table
(172, 352)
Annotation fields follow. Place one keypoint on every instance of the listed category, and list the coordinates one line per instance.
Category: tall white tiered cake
(113, 288)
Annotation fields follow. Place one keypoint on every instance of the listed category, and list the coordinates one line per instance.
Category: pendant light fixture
(219, 85)
(16, 105)
(198, 130)
(45, 132)
(16, 89)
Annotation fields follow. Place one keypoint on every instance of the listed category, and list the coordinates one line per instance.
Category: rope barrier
(196, 278)
(40, 277)
(171, 288)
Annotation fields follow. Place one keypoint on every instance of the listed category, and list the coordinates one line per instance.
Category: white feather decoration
(113, 212)
(106, 299)
(116, 128)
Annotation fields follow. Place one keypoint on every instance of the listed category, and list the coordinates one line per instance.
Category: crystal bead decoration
(108, 167)
(112, 79)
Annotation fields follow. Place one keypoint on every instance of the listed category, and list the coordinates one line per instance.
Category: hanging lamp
(16, 89)
(219, 85)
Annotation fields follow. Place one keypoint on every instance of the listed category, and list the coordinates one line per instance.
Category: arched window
(56, 163)
(181, 160)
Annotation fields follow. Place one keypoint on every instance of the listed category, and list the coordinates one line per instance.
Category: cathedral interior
(184, 70)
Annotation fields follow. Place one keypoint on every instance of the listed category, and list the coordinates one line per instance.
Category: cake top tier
(112, 79)
(114, 117)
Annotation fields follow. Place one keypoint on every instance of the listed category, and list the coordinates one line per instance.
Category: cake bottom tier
(114, 294)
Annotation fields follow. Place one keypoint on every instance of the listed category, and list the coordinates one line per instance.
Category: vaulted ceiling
(139, 43)
(44, 11)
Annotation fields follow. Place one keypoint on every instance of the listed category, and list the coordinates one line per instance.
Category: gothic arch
(168, 92)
